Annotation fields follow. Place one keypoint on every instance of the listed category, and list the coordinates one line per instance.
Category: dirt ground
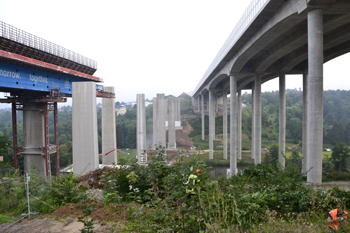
(65, 219)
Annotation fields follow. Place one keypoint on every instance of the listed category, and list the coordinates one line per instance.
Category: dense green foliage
(262, 198)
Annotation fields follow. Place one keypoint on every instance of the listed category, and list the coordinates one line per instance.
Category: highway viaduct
(274, 38)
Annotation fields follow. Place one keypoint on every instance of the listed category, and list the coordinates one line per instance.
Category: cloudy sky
(146, 46)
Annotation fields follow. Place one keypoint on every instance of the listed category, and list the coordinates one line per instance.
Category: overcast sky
(147, 46)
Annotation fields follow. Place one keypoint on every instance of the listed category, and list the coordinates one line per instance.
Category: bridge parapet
(246, 19)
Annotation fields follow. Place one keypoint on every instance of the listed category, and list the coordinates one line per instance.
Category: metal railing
(246, 19)
(17, 35)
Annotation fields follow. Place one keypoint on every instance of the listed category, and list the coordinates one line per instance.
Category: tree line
(336, 123)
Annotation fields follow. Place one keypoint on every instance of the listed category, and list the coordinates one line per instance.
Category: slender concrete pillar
(203, 129)
(315, 96)
(141, 128)
(198, 101)
(109, 136)
(161, 119)
(171, 123)
(233, 125)
(282, 120)
(33, 137)
(253, 125)
(84, 122)
(216, 103)
(239, 124)
(155, 122)
(224, 120)
(178, 110)
(305, 116)
(166, 110)
(257, 113)
(215, 110)
(211, 123)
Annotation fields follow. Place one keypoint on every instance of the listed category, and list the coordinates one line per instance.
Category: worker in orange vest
(191, 184)
(335, 216)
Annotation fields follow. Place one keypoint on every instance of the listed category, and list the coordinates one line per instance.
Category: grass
(128, 157)
(5, 219)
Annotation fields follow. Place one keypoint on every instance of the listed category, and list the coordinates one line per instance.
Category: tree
(340, 155)
(5, 146)
(271, 157)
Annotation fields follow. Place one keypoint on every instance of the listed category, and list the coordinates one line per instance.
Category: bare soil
(65, 219)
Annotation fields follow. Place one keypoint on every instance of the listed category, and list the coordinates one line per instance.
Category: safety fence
(15, 34)
(22, 195)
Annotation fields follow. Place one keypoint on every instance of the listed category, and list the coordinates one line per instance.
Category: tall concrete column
(211, 123)
(282, 120)
(315, 95)
(109, 136)
(33, 137)
(155, 122)
(257, 113)
(171, 123)
(141, 128)
(215, 110)
(198, 101)
(224, 120)
(178, 110)
(233, 125)
(305, 116)
(203, 129)
(166, 109)
(161, 119)
(84, 122)
(253, 125)
(239, 124)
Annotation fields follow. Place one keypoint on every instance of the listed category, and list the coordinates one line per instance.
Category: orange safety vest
(333, 213)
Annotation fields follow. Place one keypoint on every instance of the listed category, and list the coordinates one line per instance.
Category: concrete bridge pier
(141, 128)
(84, 122)
(224, 120)
(239, 124)
(178, 110)
(215, 111)
(253, 124)
(211, 123)
(155, 122)
(257, 119)
(305, 116)
(198, 101)
(172, 102)
(203, 129)
(282, 120)
(161, 119)
(34, 137)
(315, 96)
(233, 125)
(109, 137)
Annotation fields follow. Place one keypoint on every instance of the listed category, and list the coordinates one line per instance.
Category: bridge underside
(277, 42)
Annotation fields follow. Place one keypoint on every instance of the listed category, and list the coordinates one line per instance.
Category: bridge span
(274, 38)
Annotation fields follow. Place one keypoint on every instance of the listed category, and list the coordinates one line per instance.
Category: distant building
(121, 111)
